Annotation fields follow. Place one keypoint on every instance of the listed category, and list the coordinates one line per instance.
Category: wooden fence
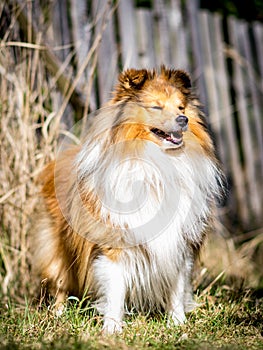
(224, 57)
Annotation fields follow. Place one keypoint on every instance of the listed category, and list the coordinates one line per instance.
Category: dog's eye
(157, 107)
(181, 108)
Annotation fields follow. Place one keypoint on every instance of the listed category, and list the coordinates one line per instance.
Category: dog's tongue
(175, 137)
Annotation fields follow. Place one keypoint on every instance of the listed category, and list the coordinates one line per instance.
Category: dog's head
(163, 96)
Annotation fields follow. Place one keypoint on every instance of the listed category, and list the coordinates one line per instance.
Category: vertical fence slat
(178, 37)
(162, 33)
(195, 42)
(255, 118)
(61, 28)
(232, 160)
(237, 34)
(252, 159)
(107, 52)
(82, 37)
(127, 26)
(258, 32)
(61, 37)
(146, 50)
(210, 79)
(258, 88)
(81, 32)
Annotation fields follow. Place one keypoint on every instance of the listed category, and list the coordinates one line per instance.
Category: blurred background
(59, 61)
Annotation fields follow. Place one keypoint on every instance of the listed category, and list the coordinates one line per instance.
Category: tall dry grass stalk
(30, 127)
(24, 108)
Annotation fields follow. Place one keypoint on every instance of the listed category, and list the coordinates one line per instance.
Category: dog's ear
(133, 78)
(179, 78)
(131, 82)
(182, 79)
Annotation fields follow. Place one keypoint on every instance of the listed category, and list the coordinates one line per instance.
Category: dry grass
(24, 108)
(32, 112)
(239, 264)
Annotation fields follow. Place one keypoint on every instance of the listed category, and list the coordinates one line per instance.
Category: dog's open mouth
(175, 138)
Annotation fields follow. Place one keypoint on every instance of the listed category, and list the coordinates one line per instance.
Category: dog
(123, 215)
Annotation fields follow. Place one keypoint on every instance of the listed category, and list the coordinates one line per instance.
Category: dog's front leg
(110, 277)
(175, 306)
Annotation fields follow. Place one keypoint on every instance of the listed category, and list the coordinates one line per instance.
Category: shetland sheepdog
(123, 215)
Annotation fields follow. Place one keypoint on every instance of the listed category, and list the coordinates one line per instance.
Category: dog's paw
(57, 309)
(60, 309)
(112, 326)
(176, 318)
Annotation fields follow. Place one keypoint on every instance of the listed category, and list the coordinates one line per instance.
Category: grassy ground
(225, 319)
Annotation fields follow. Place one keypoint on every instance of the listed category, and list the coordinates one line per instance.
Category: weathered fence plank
(127, 27)
(255, 115)
(257, 87)
(232, 166)
(210, 74)
(258, 32)
(178, 35)
(107, 52)
(162, 32)
(196, 54)
(81, 32)
(237, 33)
(146, 50)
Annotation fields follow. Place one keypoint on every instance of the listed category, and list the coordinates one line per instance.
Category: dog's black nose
(182, 120)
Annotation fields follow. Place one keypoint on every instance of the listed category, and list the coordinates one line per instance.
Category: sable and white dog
(124, 215)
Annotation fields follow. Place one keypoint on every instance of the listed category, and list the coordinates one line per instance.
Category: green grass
(224, 320)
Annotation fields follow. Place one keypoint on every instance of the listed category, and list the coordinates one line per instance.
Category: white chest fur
(152, 193)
